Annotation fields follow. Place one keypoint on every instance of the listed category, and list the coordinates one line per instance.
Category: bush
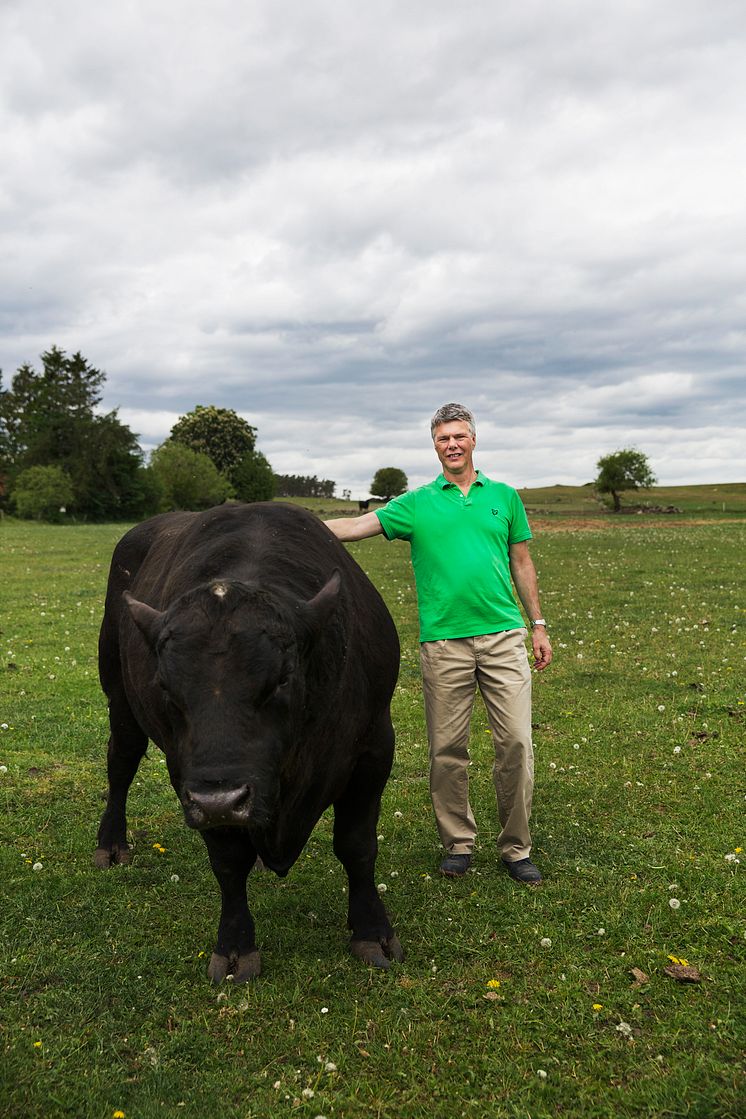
(189, 479)
(42, 493)
(253, 478)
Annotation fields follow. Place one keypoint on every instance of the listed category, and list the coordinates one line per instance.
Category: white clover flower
(3, 769)
(674, 903)
(38, 866)
(3, 726)
(325, 1010)
(398, 815)
(542, 1075)
(661, 707)
(545, 942)
(382, 887)
(330, 1066)
(174, 878)
(308, 1093)
(601, 932)
(625, 1029)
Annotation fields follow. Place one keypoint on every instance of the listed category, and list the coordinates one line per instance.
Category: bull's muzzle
(220, 808)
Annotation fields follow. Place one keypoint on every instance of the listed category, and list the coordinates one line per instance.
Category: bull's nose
(219, 808)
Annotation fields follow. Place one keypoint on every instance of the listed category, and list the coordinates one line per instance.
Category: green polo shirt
(460, 554)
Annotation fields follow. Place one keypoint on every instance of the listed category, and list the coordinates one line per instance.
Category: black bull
(250, 647)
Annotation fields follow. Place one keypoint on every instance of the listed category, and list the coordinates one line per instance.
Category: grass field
(511, 1002)
(556, 502)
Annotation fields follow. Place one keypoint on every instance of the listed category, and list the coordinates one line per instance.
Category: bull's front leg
(373, 939)
(231, 858)
(127, 744)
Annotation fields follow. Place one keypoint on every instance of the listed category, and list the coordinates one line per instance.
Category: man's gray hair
(450, 412)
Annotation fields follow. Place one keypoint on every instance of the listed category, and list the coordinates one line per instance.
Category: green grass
(727, 500)
(640, 729)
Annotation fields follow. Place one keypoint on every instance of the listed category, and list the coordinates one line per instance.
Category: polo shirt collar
(442, 482)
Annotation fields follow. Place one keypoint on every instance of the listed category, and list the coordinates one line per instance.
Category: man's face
(454, 446)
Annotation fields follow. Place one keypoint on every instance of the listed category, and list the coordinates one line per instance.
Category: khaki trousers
(452, 670)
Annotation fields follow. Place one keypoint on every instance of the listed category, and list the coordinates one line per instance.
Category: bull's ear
(319, 608)
(147, 620)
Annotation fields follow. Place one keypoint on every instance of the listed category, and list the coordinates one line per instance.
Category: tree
(47, 418)
(388, 482)
(623, 470)
(303, 485)
(42, 492)
(253, 479)
(188, 479)
(219, 433)
(40, 410)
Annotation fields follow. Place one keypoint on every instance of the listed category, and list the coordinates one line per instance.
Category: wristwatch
(538, 622)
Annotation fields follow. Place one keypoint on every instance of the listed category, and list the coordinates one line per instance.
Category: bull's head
(230, 684)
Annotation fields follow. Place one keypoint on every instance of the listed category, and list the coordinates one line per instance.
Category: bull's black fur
(247, 643)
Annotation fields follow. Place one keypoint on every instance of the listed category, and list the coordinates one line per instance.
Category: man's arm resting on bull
(355, 528)
(523, 574)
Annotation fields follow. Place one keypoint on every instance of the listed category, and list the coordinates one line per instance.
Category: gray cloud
(332, 218)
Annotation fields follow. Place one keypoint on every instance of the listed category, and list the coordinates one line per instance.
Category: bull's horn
(147, 620)
(322, 604)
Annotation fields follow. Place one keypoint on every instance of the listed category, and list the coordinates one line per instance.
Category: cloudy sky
(334, 216)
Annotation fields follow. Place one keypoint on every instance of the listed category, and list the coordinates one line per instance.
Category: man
(469, 538)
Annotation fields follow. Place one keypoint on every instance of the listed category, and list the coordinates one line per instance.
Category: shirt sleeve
(398, 516)
(519, 526)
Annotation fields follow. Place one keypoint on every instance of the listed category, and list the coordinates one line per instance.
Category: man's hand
(542, 648)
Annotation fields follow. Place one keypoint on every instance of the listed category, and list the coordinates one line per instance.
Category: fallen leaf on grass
(639, 977)
(683, 973)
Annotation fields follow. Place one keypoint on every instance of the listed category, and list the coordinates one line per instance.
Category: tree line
(60, 456)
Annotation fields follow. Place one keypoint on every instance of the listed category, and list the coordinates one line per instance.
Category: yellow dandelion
(738, 850)
(117, 1115)
(37, 1045)
(493, 984)
(598, 1006)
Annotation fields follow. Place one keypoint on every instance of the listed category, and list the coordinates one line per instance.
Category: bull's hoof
(238, 968)
(378, 953)
(105, 857)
